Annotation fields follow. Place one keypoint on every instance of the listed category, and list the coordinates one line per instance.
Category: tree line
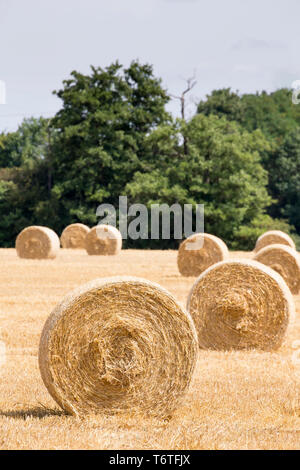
(239, 155)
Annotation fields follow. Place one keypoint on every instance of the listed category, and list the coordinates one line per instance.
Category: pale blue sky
(248, 45)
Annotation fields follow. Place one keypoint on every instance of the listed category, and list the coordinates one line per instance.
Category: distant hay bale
(103, 240)
(274, 237)
(240, 304)
(118, 344)
(285, 261)
(37, 242)
(74, 235)
(192, 261)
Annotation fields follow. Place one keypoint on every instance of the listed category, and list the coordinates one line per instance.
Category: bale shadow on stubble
(38, 412)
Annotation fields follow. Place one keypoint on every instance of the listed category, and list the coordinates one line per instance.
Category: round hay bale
(103, 240)
(240, 304)
(37, 243)
(118, 344)
(74, 235)
(274, 237)
(285, 261)
(207, 250)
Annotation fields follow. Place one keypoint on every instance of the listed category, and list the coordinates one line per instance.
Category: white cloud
(253, 43)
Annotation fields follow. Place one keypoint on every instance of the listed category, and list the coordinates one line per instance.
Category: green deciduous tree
(222, 171)
(24, 180)
(101, 128)
(223, 103)
(273, 113)
(278, 118)
(284, 171)
(113, 136)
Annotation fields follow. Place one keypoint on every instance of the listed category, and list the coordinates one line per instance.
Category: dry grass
(283, 259)
(241, 304)
(272, 237)
(193, 261)
(37, 242)
(118, 344)
(238, 400)
(103, 240)
(74, 235)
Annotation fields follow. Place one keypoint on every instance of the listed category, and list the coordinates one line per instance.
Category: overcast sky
(246, 45)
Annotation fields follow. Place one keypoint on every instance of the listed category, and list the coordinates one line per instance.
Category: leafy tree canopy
(101, 128)
(273, 113)
(222, 170)
(113, 136)
(284, 171)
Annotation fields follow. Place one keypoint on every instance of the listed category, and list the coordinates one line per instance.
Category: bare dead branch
(190, 84)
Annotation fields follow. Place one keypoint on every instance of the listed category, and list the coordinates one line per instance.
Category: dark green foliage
(24, 180)
(273, 113)
(101, 129)
(113, 136)
(279, 120)
(222, 170)
(284, 171)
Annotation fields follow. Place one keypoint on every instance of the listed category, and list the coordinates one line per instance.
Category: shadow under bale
(36, 412)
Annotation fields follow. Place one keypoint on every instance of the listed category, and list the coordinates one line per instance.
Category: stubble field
(237, 400)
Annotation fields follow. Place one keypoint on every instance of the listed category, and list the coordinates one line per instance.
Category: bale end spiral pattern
(118, 344)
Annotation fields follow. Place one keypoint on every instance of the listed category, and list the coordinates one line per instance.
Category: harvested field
(238, 400)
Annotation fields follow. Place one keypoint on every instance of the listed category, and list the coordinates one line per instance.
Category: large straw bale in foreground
(37, 243)
(192, 260)
(74, 235)
(118, 344)
(274, 237)
(285, 261)
(103, 240)
(240, 304)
